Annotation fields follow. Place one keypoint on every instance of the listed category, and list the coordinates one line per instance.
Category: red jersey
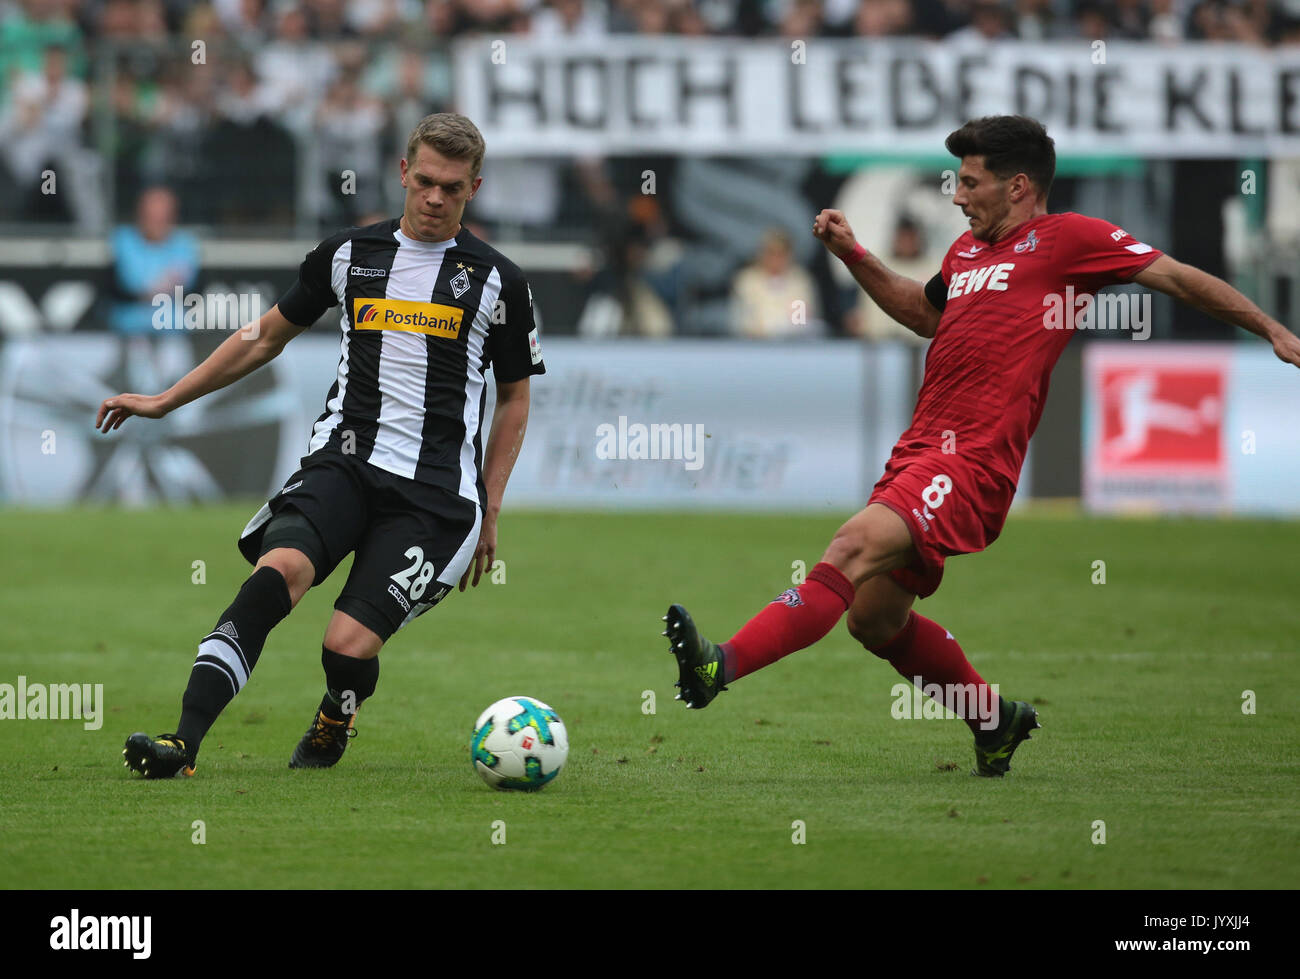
(987, 369)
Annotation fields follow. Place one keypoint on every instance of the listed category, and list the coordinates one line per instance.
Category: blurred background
(654, 167)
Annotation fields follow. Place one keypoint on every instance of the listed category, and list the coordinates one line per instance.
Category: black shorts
(412, 541)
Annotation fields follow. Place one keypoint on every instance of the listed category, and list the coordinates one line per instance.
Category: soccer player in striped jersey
(951, 477)
(395, 471)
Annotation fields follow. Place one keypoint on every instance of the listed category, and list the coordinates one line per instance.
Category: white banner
(681, 95)
(715, 425)
(616, 424)
(239, 441)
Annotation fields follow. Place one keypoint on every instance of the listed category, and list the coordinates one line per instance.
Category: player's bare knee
(354, 648)
(294, 566)
(855, 553)
(846, 547)
(874, 629)
(347, 637)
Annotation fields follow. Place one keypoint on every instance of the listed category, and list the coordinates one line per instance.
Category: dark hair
(1009, 145)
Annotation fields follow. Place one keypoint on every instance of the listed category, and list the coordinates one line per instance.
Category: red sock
(798, 618)
(925, 653)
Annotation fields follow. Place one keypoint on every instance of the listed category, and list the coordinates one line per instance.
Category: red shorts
(949, 507)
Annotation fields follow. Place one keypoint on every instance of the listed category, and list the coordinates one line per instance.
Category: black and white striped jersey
(421, 322)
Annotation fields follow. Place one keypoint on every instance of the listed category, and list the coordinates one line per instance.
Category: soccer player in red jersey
(952, 475)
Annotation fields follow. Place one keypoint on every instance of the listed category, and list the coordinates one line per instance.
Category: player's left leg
(350, 658)
(418, 543)
(872, 541)
(922, 651)
(926, 654)
(295, 541)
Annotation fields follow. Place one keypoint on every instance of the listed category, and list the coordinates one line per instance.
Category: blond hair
(452, 135)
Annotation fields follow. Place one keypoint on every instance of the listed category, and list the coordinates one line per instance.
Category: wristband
(855, 256)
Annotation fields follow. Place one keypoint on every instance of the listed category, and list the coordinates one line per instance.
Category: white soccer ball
(518, 743)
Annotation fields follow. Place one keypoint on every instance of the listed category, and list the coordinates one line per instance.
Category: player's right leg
(225, 659)
(872, 541)
(295, 541)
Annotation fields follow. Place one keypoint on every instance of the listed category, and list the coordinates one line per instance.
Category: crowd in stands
(298, 93)
(255, 23)
(301, 90)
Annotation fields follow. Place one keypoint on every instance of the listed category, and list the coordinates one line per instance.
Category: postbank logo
(435, 319)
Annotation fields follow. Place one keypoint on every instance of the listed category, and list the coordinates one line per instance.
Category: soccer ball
(518, 743)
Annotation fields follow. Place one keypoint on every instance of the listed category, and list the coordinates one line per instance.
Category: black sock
(229, 652)
(348, 681)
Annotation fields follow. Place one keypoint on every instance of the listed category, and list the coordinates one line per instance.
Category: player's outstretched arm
(509, 422)
(901, 298)
(1212, 295)
(241, 353)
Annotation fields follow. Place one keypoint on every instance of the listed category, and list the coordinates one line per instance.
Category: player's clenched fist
(834, 231)
(119, 408)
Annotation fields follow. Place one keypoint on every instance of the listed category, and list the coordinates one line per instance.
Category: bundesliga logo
(789, 598)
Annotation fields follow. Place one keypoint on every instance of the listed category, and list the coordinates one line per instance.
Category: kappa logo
(790, 597)
(1028, 245)
(362, 272)
(401, 599)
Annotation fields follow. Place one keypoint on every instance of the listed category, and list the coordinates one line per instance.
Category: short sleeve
(307, 299)
(1101, 254)
(513, 344)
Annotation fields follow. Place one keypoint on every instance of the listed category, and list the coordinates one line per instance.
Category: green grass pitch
(1139, 681)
